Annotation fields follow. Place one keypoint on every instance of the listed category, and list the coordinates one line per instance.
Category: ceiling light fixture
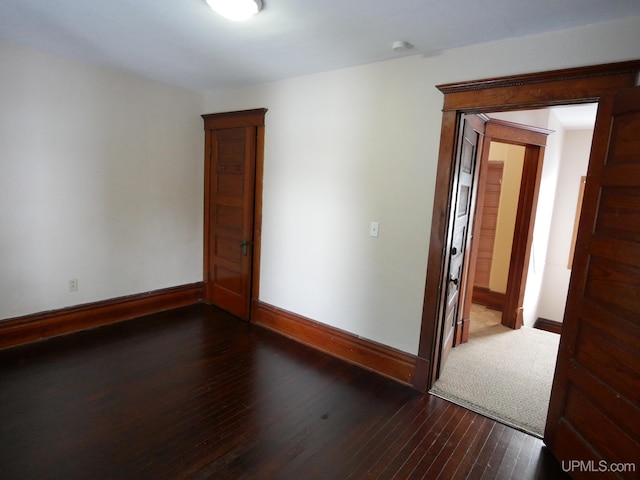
(236, 10)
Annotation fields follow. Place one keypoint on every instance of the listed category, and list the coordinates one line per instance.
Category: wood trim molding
(591, 71)
(40, 326)
(431, 328)
(518, 91)
(547, 325)
(386, 361)
(512, 313)
(516, 133)
(488, 298)
(241, 118)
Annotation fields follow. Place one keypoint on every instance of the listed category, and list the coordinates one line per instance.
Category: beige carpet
(503, 374)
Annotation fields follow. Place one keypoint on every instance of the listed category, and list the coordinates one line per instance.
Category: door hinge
(244, 247)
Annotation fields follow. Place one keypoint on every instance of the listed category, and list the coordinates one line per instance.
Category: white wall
(340, 151)
(346, 147)
(573, 165)
(101, 179)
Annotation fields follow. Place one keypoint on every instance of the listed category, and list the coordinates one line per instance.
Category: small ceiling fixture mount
(401, 46)
(236, 10)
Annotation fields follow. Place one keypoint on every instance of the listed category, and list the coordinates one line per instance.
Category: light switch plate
(373, 229)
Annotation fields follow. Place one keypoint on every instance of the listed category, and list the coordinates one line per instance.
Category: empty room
(240, 247)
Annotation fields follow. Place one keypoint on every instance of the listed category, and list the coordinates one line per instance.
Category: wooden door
(472, 128)
(230, 173)
(488, 224)
(594, 414)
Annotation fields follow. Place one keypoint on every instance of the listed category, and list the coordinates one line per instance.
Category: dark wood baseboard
(387, 361)
(548, 325)
(484, 296)
(39, 326)
(381, 359)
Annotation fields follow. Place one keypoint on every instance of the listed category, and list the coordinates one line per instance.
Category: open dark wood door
(593, 426)
(457, 254)
(230, 173)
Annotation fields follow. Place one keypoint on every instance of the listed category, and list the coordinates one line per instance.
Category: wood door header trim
(514, 92)
(243, 118)
(510, 132)
(564, 74)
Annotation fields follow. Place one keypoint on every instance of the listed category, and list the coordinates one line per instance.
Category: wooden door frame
(518, 92)
(242, 118)
(534, 140)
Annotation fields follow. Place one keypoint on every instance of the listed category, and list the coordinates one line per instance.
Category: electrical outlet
(73, 285)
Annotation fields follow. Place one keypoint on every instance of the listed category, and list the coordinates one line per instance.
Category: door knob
(454, 251)
(454, 281)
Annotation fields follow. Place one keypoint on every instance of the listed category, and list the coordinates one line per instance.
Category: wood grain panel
(619, 217)
(614, 284)
(229, 184)
(611, 361)
(626, 131)
(618, 408)
(227, 279)
(598, 429)
(227, 216)
(488, 223)
(231, 150)
(227, 248)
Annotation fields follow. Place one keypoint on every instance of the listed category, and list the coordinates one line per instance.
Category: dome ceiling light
(236, 10)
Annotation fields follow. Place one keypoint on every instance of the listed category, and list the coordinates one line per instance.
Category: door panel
(488, 223)
(231, 200)
(457, 255)
(594, 414)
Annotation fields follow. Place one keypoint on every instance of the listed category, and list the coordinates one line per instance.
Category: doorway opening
(520, 92)
(503, 373)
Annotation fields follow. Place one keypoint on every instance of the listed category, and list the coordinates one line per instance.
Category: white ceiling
(183, 42)
(577, 117)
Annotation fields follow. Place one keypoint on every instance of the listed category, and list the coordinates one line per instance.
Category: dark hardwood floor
(196, 393)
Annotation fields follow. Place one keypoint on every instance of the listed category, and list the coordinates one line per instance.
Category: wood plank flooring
(196, 393)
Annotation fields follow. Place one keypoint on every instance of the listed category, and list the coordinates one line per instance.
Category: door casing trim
(517, 92)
